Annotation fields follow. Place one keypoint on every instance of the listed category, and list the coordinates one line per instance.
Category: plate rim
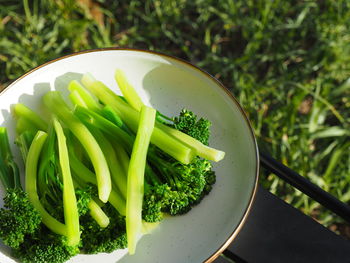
(247, 211)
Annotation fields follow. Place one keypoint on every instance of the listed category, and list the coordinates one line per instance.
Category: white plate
(168, 84)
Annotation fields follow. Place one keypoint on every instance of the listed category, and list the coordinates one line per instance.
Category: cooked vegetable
(101, 174)
(55, 103)
(44, 246)
(130, 116)
(71, 216)
(19, 217)
(96, 239)
(135, 187)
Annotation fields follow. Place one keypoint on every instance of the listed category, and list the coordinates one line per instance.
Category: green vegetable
(9, 174)
(22, 111)
(44, 246)
(87, 177)
(89, 101)
(98, 215)
(55, 103)
(100, 175)
(24, 141)
(96, 239)
(128, 91)
(178, 186)
(18, 218)
(136, 177)
(201, 149)
(71, 216)
(77, 99)
(31, 184)
(130, 116)
(118, 175)
(187, 129)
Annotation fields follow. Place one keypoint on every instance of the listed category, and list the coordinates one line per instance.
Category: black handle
(304, 185)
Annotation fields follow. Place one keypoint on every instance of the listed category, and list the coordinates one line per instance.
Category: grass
(287, 62)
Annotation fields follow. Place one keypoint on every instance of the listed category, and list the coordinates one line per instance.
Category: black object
(304, 185)
(277, 232)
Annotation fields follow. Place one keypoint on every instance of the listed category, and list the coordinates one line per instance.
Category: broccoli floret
(187, 123)
(152, 208)
(45, 246)
(186, 183)
(181, 187)
(96, 239)
(18, 219)
(155, 198)
(210, 179)
(175, 187)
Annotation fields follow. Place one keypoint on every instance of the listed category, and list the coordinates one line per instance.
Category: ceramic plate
(168, 84)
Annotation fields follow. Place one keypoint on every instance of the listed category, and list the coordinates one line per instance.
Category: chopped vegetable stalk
(117, 201)
(122, 156)
(55, 103)
(117, 173)
(97, 213)
(112, 116)
(128, 90)
(94, 206)
(23, 125)
(130, 116)
(22, 111)
(9, 173)
(136, 177)
(71, 215)
(49, 183)
(84, 174)
(202, 150)
(31, 181)
(135, 101)
(89, 117)
(77, 99)
(89, 101)
(23, 141)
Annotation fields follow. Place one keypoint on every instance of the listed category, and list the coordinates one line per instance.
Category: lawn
(287, 62)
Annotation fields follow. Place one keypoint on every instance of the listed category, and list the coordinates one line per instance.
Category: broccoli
(171, 186)
(185, 184)
(19, 217)
(187, 123)
(96, 239)
(44, 246)
(99, 174)
(182, 185)
(155, 198)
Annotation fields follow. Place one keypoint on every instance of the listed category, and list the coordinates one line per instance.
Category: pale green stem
(136, 174)
(70, 208)
(31, 181)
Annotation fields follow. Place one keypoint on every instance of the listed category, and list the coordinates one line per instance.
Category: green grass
(287, 62)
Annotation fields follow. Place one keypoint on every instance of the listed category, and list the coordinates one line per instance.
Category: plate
(168, 84)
